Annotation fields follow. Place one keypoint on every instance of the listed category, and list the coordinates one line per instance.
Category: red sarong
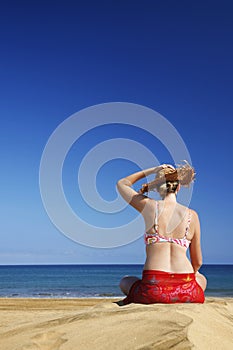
(165, 287)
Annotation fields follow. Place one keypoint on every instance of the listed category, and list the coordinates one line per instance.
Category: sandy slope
(37, 324)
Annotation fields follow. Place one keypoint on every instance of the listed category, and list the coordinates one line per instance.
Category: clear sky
(58, 57)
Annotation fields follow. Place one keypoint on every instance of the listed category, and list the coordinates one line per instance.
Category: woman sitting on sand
(168, 275)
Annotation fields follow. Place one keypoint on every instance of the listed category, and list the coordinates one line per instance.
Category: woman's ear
(178, 188)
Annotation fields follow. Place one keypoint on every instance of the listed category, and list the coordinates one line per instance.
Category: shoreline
(94, 298)
(47, 297)
(103, 324)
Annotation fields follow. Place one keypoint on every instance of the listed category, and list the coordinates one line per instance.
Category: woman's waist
(167, 257)
(166, 264)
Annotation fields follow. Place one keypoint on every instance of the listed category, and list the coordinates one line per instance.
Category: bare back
(172, 223)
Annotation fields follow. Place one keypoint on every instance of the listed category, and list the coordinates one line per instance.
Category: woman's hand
(143, 189)
(162, 166)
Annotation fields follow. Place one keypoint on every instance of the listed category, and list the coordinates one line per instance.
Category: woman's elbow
(119, 183)
(198, 259)
(123, 182)
(197, 264)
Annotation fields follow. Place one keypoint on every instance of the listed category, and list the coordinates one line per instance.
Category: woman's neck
(170, 198)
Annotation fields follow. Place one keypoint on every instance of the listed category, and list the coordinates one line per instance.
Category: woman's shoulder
(194, 217)
(189, 210)
(193, 212)
(186, 207)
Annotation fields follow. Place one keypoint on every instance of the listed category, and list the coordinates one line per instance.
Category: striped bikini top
(151, 238)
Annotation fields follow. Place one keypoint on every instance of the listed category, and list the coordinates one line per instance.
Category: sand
(99, 324)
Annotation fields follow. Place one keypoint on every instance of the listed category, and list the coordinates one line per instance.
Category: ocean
(88, 281)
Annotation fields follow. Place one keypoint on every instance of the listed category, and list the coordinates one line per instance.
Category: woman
(168, 275)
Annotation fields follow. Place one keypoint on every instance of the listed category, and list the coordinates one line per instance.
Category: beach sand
(99, 324)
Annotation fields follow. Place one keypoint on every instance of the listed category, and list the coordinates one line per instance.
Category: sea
(91, 281)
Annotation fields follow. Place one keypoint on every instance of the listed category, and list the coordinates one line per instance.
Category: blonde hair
(168, 179)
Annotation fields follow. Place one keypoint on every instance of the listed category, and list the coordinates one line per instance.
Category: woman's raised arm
(137, 200)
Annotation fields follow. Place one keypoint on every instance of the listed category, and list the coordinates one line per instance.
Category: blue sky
(60, 57)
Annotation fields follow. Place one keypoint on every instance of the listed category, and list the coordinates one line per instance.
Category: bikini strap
(188, 224)
(156, 217)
